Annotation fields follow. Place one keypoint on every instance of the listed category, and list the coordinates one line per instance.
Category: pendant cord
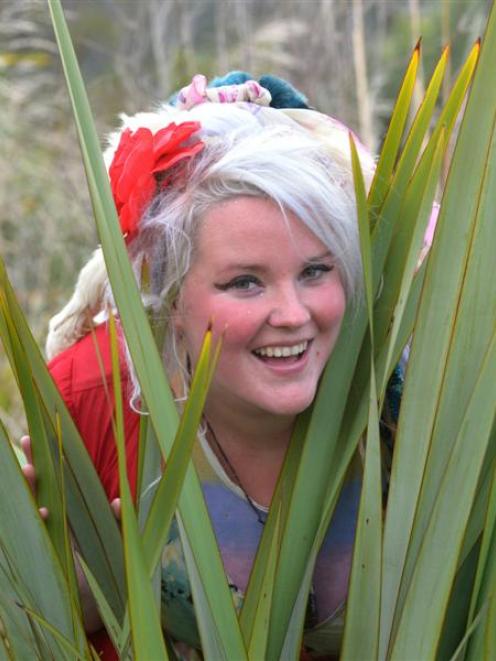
(311, 617)
(234, 473)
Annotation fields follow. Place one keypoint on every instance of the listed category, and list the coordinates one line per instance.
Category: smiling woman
(272, 286)
(245, 217)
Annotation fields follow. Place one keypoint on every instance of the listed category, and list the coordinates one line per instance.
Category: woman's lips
(285, 363)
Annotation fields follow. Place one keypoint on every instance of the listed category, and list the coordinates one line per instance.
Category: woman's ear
(177, 316)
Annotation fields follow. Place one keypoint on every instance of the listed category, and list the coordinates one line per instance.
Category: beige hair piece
(76, 318)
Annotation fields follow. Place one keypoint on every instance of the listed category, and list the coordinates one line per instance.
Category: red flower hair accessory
(140, 156)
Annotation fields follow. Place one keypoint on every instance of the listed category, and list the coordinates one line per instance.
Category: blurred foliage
(133, 55)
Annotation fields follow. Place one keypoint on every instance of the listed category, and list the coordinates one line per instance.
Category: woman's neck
(264, 433)
(250, 451)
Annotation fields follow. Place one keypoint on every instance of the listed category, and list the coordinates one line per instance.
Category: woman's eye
(242, 283)
(315, 271)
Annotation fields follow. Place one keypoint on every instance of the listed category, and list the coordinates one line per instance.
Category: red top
(83, 375)
(90, 398)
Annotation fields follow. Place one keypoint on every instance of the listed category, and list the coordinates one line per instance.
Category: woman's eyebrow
(261, 268)
(243, 266)
(320, 257)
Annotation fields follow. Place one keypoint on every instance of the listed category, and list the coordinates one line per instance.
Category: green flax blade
(389, 152)
(477, 301)
(313, 476)
(419, 629)
(459, 653)
(361, 634)
(50, 492)
(147, 362)
(385, 229)
(466, 203)
(490, 637)
(65, 644)
(146, 631)
(92, 522)
(322, 465)
(136, 328)
(112, 626)
(164, 504)
(212, 629)
(417, 211)
(15, 630)
(345, 448)
(260, 631)
(468, 344)
(150, 469)
(31, 553)
(13, 597)
(355, 420)
(270, 535)
(406, 170)
(212, 645)
(48, 484)
(420, 126)
(483, 593)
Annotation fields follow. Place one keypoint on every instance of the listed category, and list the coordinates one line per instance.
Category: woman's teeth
(282, 352)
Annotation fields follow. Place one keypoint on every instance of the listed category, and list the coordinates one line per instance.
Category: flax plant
(423, 582)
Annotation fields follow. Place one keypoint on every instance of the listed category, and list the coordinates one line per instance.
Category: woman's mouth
(282, 354)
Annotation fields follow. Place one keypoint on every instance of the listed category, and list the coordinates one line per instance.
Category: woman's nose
(288, 308)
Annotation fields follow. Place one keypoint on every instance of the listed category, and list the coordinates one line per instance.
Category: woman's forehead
(244, 229)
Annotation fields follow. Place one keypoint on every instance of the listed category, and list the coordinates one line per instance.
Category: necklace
(311, 610)
(234, 474)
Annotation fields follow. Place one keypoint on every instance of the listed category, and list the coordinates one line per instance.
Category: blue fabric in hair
(284, 95)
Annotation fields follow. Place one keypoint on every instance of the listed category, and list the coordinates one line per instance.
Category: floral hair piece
(140, 158)
(197, 92)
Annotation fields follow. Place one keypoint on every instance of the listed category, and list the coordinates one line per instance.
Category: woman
(243, 208)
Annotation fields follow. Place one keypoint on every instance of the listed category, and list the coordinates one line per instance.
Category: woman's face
(272, 287)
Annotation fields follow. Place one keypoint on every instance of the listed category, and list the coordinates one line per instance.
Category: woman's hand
(91, 617)
(116, 508)
(30, 472)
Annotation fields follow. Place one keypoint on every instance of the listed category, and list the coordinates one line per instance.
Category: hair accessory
(197, 92)
(140, 157)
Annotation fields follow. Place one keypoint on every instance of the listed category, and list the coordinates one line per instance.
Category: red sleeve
(83, 374)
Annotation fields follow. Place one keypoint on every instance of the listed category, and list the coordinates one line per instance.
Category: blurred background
(347, 56)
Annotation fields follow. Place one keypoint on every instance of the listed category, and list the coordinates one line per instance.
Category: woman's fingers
(28, 468)
(26, 448)
(30, 475)
(116, 508)
(29, 471)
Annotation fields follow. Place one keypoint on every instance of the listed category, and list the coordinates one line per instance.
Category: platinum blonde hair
(299, 159)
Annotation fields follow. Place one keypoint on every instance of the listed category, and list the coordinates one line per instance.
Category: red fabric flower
(139, 157)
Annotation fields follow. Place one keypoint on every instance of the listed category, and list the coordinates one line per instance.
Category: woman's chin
(291, 406)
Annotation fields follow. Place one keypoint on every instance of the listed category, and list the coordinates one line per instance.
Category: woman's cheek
(332, 314)
(237, 324)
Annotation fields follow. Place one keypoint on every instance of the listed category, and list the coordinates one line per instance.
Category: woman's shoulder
(83, 375)
(87, 363)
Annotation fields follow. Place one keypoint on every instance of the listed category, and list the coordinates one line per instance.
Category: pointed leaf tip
(418, 46)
